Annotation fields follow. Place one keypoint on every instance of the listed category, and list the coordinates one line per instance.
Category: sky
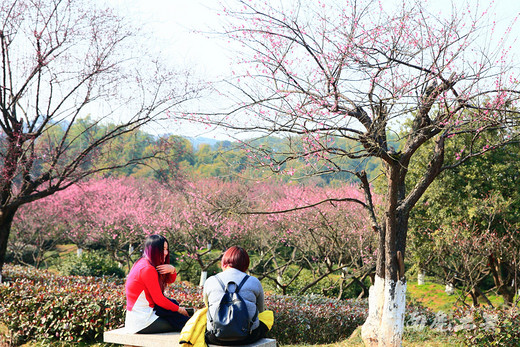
(173, 24)
(175, 28)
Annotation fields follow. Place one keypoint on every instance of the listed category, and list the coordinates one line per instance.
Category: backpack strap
(242, 283)
(253, 319)
(221, 283)
(224, 289)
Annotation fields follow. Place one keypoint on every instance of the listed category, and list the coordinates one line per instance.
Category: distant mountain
(197, 141)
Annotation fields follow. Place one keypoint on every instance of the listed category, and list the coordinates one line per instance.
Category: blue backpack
(232, 322)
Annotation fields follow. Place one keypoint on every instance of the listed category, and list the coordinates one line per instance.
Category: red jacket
(144, 277)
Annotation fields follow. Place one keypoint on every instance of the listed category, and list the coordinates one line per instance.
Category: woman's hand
(183, 311)
(166, 269)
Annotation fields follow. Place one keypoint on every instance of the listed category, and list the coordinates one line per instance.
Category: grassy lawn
(426, 338)
(433, 296)
(66, 249)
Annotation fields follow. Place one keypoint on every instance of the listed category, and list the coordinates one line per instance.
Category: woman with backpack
(148, 311)
(234, 300)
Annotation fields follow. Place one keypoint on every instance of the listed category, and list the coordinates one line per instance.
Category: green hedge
(40, 305)
(314, 319)
(90, 263)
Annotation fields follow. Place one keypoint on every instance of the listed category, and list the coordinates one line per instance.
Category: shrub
(40, 305)
(314, 319)
(489, 326)
(91, 263)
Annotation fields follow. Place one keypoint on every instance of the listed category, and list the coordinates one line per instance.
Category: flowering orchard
(205, 217)
(201, 219)
(34, 233)
(329, 238)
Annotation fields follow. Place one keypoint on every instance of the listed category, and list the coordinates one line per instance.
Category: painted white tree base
(386, 308)
(420, 278)
(203, 277)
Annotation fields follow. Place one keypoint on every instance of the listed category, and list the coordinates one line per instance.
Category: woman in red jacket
(145, 286)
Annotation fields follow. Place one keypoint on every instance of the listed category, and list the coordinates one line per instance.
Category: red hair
(154, 253)
(236, 257)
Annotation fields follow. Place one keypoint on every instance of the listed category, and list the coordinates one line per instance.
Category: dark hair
(237, 258)
(154, 253)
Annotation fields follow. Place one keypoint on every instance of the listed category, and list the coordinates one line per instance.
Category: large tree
(62, 60)
(314, 72)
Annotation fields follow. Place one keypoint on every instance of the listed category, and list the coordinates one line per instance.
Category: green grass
(424, 338)
(433, 296)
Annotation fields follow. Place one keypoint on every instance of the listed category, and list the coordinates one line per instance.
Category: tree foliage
(203, 218)
(478, 202)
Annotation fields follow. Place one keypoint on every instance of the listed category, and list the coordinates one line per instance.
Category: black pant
(160, 325)
(168, 321)
(257, 334)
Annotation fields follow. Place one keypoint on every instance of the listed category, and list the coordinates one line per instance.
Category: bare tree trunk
(342, 284)
(6, 220)
(504, 288)
(203, 277)
(474, 297)
(364, 289)
(484, 296)
(385, 323)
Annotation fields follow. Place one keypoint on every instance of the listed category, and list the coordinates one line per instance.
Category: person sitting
(235, 263)
(145, 285)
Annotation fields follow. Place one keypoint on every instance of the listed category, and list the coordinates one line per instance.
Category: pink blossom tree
(201, 219)
(35, 233)
(325, 239)
(62, 61)
(316, 71)
(115, 213)
(463, 256)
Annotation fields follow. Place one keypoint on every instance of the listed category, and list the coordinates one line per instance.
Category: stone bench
(120, 336)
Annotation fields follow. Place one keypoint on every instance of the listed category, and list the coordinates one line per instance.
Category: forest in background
(464, 231)
(167, 156)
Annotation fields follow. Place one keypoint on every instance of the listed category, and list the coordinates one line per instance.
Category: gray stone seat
(120, 336)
